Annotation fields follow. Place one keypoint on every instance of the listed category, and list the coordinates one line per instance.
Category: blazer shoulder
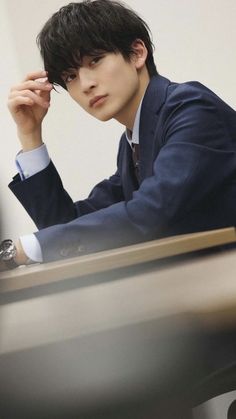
(161, 91)
(192, 91)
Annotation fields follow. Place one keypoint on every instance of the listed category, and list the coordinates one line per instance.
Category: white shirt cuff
(32, 247)
(29, 163)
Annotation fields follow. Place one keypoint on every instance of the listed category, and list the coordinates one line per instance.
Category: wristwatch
(7, 253)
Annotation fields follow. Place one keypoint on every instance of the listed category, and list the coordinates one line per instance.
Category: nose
(87, 80)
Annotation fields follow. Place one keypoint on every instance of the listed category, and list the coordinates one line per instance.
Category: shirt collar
(133, 136)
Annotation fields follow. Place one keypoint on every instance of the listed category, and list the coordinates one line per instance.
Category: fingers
(33, 85)
(28, 97)
(35, 75)
(34, 90)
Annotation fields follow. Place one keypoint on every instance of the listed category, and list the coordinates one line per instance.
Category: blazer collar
(155, 94)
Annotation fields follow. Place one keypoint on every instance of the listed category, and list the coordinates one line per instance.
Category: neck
(127, 116)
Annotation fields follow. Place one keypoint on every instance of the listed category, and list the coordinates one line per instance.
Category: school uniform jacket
(187, 179)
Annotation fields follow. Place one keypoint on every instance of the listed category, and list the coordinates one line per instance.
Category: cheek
(122, 79)
(74, 94)
(73, 91)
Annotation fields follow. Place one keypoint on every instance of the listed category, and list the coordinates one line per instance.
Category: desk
(103, 316)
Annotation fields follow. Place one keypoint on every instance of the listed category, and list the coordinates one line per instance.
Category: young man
(181, 177)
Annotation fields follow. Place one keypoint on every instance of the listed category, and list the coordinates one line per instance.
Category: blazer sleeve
(47, 202)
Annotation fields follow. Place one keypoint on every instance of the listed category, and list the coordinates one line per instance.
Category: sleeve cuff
(29, 163)
(32, 247)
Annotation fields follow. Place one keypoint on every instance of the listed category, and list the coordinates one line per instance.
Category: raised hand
(28, 104)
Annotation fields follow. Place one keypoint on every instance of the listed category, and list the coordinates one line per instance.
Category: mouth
(97, 100)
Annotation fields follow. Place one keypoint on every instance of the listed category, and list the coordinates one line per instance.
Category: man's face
(106, 86)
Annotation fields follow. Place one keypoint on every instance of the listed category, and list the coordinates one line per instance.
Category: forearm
(44, 198)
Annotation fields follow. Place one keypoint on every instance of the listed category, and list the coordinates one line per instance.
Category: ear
(140, 53)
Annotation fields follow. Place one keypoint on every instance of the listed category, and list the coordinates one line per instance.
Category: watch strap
(11, 264)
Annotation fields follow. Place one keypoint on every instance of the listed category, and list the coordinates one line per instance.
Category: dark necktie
(135, 155)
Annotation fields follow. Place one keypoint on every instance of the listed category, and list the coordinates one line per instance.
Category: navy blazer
(187, 179)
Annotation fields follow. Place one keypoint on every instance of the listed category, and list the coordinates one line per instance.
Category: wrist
(30, 141)
(12, 255)
(20, 257)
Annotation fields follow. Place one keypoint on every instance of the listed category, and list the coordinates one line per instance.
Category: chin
(104, 117)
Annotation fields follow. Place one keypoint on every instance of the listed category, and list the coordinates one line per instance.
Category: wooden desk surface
(30, 276)
(203, 286)
(113, 326)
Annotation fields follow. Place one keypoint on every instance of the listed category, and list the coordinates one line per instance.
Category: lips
(96, 99)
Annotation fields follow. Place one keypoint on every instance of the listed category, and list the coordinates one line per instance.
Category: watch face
(7, 250)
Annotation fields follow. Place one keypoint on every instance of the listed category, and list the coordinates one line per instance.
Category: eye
(68, 77)
(95, 60)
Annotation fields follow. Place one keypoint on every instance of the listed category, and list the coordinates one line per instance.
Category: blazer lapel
(153, 100)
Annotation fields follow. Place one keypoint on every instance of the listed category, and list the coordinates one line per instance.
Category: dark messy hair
(87, 28)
